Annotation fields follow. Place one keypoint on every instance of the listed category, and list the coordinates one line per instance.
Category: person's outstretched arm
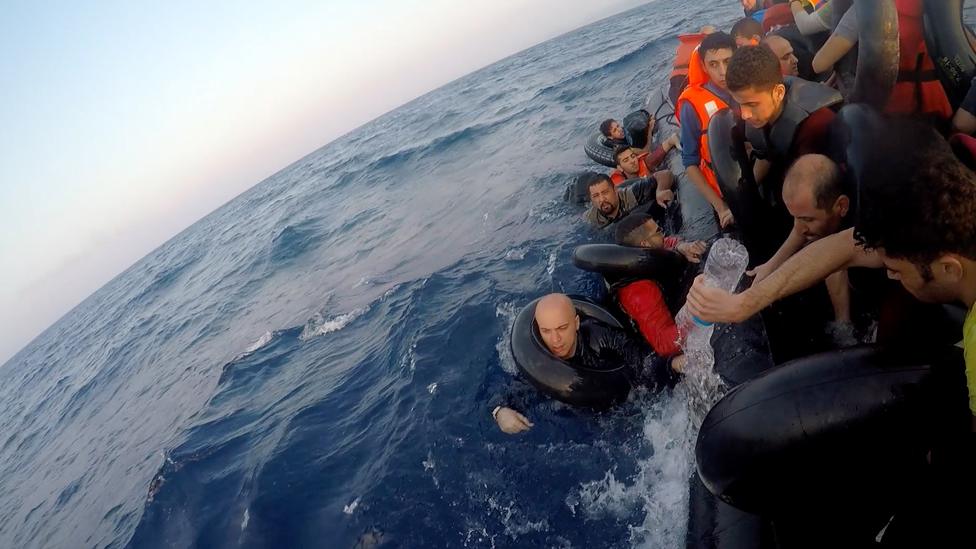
(806, 268)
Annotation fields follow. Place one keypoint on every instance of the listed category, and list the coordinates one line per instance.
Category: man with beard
(611, 204)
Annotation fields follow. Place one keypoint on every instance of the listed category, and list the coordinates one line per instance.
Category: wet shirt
(642, 192)
(969, 351)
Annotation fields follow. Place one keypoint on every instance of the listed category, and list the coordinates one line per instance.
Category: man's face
(605, 198)
(788, 63)
(813, 222)
(760, 107)
(656, 235)
(627, 162)
(716, 63)
(558, 328)
(616, 131)
(937, 286)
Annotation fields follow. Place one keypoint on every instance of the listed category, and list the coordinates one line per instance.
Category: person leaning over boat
(588, 344)
(916, 218)
(609, 204)
(705, 95)
(633, 162)
(642, 299)
(813, 193)
(786, 118)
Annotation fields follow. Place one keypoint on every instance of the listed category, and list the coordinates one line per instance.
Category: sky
(125, 122)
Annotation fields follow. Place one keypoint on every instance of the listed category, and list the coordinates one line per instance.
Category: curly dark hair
(605, 126)
(917, 201)
(753, 67)
(595, 179)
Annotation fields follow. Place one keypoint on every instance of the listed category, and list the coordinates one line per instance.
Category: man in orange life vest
(679, 73)
(917, 90)
(705, 95)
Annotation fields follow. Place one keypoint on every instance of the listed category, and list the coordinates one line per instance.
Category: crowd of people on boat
(906, 204)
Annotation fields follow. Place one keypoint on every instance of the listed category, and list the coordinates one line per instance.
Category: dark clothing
(812, 136)
(969, 103)
(599, 346)
(642, 192)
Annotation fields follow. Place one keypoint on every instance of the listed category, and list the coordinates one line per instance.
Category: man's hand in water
(664, 198)
(692, 250)
(511, 422)
(715, 304)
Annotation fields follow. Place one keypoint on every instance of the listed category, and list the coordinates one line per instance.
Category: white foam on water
(515, 254)
(351, 508)
(246, 519)
(432, 387)
(551, 266)
(261, 342)
(319, 325)
(659, 488)
(507, 311)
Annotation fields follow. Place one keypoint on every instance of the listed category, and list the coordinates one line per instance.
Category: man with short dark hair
(610, 204)
(705, 96)
(786, 119)
(633, 162)
(747, 32)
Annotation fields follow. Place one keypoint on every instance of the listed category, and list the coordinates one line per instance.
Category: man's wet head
(558, 324)
(612, 129)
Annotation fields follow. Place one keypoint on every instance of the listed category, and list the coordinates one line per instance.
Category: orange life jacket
(918, 90)
(686, 45)
(706, 105)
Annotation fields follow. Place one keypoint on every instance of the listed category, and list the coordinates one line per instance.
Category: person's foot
(842, 334)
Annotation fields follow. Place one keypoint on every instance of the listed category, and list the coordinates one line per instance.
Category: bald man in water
(586, 343)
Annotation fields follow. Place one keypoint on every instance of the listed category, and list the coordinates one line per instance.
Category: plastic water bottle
(725, 265)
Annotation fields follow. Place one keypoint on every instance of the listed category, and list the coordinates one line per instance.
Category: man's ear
(842, 205)
(950, 268)
(577, 321)
(779, 92)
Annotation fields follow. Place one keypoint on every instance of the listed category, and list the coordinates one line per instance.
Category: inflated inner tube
(615, 261)
(598, 148)
(559, 379)
(832, 432)
(877, 50)
(947, 43)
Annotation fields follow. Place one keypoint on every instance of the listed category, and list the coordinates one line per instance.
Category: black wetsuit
(603, 347)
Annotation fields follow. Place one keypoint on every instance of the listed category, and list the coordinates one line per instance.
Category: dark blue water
(312, 364)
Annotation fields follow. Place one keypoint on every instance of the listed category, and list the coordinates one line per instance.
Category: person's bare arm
(964, 122)
(792, 244)
(830, 53)
(696, 176)
(806, 268)
(839, 291)
(760, 169)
